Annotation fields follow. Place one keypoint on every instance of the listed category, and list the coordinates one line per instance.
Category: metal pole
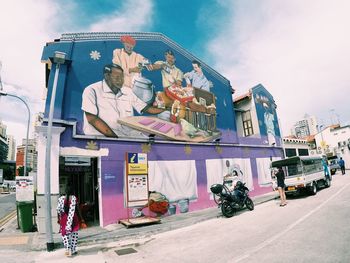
(48, 223)
(28, 123)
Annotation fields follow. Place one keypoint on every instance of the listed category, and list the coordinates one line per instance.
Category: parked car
(333, 164)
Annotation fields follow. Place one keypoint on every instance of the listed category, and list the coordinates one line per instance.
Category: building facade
(3, 142)
(32, 158)
(295, 147)
(334, 140)
(200, 129)
(11, 142)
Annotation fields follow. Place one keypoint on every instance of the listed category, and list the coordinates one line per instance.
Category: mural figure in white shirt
(106, 101)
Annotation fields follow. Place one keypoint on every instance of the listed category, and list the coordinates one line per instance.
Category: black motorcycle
(232, 201)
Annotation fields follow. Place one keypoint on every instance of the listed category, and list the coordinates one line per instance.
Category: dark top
(280, 178)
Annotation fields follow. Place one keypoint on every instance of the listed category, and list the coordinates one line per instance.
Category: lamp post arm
(27, 135)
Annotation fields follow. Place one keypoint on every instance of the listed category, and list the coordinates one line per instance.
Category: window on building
(247, 123)
(303, 152)
(291, 152)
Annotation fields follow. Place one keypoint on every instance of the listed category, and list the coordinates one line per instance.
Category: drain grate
(125, 251)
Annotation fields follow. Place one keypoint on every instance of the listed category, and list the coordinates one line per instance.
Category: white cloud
(299, 50)
(25, 27)
(133, 16)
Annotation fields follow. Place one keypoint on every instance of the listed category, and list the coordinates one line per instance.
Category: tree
(21, 170)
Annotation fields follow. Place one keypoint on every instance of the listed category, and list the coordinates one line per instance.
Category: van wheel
(313, 188)
(327, 182)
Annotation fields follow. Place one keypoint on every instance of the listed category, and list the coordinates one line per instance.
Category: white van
(302, 173)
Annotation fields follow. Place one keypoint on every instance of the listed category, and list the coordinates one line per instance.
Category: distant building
(32, 158)
(305, 127)
(11, 142)
(3, 128)
(3, 142)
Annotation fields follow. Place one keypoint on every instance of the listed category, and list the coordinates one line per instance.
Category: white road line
(290, 227)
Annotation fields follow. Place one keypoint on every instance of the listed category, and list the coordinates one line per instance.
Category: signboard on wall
(136, 179)
(137, 163)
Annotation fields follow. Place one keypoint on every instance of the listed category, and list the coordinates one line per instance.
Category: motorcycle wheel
(227, 210)
(249, 204)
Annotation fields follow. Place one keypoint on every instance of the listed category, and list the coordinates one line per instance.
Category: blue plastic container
(183, 205)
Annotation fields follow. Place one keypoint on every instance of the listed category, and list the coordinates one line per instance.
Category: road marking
(7, 218)
(290, 227)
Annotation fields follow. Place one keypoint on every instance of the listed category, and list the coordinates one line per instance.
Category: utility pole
(58, 59)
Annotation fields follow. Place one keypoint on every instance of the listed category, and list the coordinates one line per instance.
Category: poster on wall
(139, 87)
(137, 187)
(136, 179)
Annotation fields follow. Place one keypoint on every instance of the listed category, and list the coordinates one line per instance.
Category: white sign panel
(137, 187)
(24, 188)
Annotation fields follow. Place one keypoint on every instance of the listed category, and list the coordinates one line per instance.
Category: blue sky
(299, 50)
(189, 23)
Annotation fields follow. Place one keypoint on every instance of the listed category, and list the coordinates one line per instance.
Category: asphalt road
(309, 229)
(7, 204)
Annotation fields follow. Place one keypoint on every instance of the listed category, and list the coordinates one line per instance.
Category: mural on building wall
(264, 171)
(266, 111)
(220, 169)
(133, 88)
(175, 184)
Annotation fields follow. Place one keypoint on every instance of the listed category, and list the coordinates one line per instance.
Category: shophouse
(334, 140)
(190, 145)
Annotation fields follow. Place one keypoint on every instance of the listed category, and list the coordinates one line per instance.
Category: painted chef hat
(128, 39)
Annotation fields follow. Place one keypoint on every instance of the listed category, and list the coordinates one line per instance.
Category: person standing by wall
(68, 219)
(342, 165)
(325, 168)
(281, 185)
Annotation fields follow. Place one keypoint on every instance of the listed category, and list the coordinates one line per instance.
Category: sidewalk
(115, 232)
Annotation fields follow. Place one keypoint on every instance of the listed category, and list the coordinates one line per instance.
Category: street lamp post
(28, 122)
(59, 59)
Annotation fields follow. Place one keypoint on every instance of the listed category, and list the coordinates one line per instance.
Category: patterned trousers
(70, 242)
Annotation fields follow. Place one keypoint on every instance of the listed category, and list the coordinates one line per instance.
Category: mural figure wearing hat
(131, 62)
